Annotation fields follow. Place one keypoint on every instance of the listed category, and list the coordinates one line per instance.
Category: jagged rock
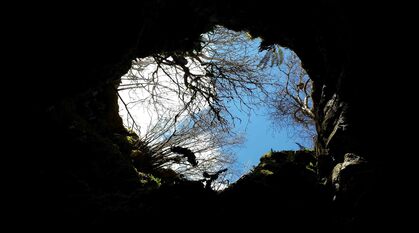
(281, 190)
(68, 89)
(347, 175)
(351, 179)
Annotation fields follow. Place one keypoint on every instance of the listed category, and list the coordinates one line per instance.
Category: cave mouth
(77, 165)
(209, 99)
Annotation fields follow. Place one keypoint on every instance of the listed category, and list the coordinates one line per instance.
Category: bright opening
(220, 105)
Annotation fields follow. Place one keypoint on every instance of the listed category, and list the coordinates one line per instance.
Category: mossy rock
(266, 172)
(149, 181)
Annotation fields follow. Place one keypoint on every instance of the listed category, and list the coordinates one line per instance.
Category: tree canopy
(189, 93)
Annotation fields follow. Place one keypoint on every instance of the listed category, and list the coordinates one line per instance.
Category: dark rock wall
(74, 57)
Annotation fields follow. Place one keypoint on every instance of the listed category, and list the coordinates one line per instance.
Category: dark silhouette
(301, 147)
(186, 153)
(78, 172)
(209, 178)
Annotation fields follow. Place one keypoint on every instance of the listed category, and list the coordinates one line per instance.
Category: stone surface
(71, 58)
(350, 173)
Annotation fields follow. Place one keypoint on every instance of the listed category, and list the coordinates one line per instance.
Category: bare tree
(291, 101)
(164, 144)
(223, 69)
(189, 93)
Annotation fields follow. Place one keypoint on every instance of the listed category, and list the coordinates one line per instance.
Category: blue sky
(260, 137)
(261, 134)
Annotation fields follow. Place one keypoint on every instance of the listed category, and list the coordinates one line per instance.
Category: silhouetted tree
(291, 102)
(187, 153)
(222, 69)
(210, 178)
(185, 146)
(190, 91)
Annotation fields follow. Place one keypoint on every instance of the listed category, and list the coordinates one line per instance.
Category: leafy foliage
(274, 56)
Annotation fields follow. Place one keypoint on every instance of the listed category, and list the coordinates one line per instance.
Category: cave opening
(78, 169)
(229, 100)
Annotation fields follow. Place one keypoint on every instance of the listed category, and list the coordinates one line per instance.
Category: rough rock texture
(73, 57)
(281, 192)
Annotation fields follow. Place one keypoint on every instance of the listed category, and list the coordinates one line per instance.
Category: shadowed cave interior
(83, 178)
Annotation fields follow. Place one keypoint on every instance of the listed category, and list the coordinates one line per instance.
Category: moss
(268, 155)
(308, 149)
(266, 172)
(149, 181)
(311, 167)
(132, 139)
(285, 164)
(155, 180)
